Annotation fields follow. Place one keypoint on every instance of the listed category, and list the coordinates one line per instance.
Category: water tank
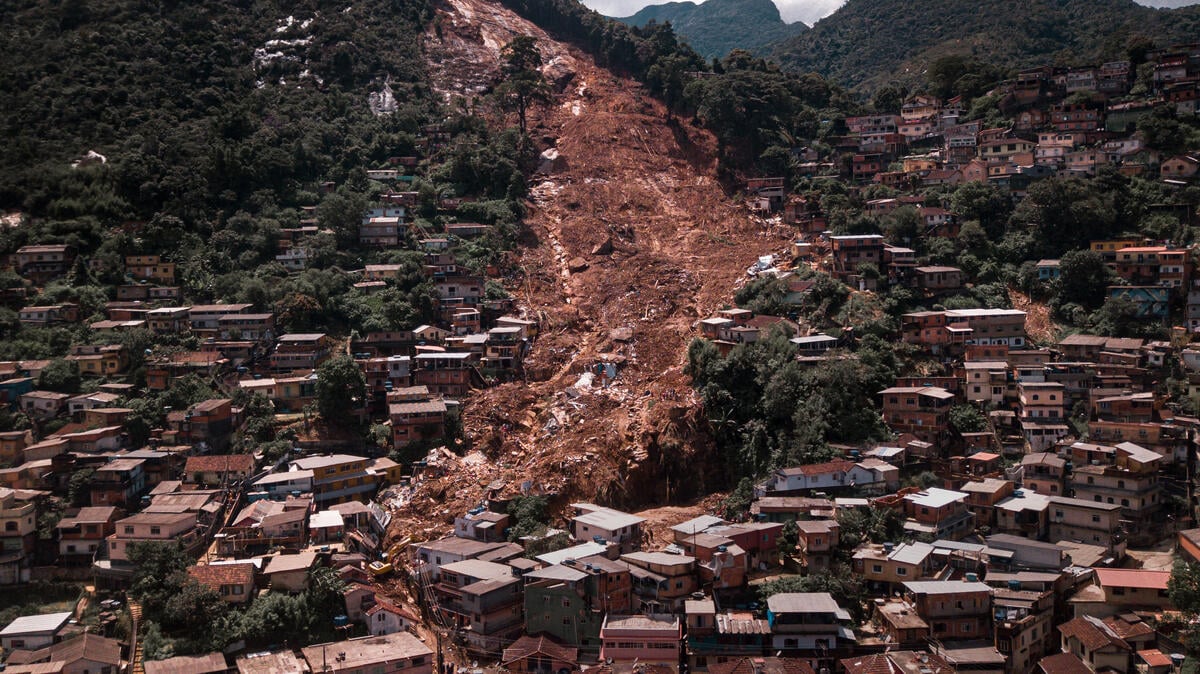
(341, 621)
(888, 547)
(1014, 584)
(972, 577)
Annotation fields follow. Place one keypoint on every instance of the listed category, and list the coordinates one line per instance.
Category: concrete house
(592, 521)
(34, 631)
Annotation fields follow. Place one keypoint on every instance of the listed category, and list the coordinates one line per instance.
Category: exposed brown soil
(631, 241)
(1039, 325)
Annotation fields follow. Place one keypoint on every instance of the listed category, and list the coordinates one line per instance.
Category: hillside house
(149, 268)
(415, 421)
(922, 411)
(52, 314)
(81, 534)
(234, 582)
(381, 232)
(145, 527)
(942, 513)
(42, 263)
(449, 374)
(400, 651)
(484, 599)
(246, 326)
(44, 405)
(80, 653)
(300, 351)
(168, 320)
(32, 632)
(810, 625)
(338, 478)
(99, 360)
(218, 469)
(383, 617)
(954, 609)
(853, 250)
(653, 640)
(1182, 167)
(538, 655)
(592, 521)
(937, 278)
(885, 567)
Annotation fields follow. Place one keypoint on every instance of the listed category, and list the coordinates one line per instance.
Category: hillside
(870, 42)
(716, 27)
(217, 93)
(222, 138)
(630, 244)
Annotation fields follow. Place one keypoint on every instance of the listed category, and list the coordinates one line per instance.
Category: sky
(808, 11)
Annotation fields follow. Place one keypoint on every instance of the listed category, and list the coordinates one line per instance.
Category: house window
(876, 568)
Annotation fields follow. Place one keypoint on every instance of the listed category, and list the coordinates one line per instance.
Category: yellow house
(150, 267)
(99, 360)
(338, 478)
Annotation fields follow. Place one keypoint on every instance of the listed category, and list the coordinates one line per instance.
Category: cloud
(808, 11)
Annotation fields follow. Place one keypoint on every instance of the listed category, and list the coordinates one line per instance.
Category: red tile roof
(528, 646)
(1093, 634)
(1136, 578)
(216, 575)
(762, 666)
(869, 664)
(1128, 630)
(217, 463)
(1063, 663)
(382, 605)
(1155, 658)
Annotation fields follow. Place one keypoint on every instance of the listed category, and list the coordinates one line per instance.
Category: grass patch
(39, 597)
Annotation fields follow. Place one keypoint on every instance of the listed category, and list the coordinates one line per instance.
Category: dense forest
(869, 43)
(216, 125)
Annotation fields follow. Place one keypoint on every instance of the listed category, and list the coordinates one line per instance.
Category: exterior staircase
(137, 660)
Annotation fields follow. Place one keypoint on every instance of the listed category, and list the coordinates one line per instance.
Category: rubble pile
(636, 241)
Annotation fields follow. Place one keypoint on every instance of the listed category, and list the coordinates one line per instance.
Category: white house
(387, 618)
(32, 632)
(831, 475)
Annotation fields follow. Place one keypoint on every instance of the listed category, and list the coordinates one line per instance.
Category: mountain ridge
(715, 27)
(867, 43)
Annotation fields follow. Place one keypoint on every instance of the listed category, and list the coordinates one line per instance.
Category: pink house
(645, 639)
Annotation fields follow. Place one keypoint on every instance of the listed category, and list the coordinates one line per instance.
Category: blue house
(1048, 270)
(1151, 301)
(12, 389)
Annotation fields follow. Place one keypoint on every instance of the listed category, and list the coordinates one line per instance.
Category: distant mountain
(716, 27)
(867, 43)
(1170, 4)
